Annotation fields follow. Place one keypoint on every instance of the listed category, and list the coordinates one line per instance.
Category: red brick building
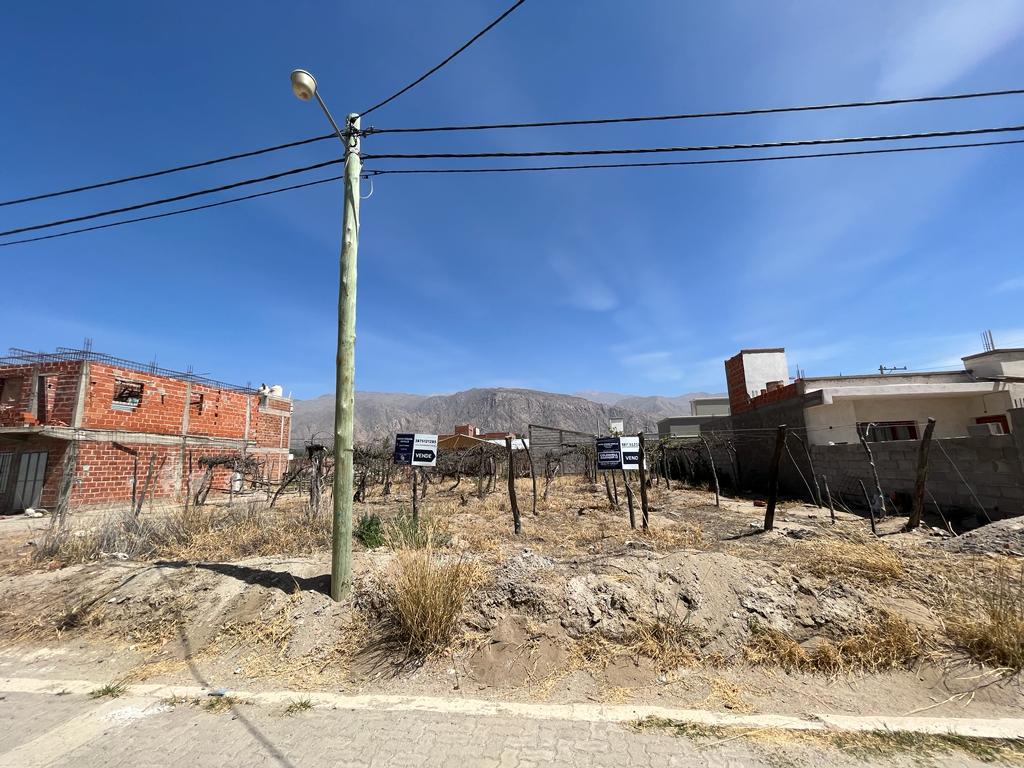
(122, 418)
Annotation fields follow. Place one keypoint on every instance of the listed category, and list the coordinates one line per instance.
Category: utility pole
(344, 402)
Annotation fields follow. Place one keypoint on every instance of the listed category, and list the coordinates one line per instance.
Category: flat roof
(887, 376)
(993, 352)
(756, 351)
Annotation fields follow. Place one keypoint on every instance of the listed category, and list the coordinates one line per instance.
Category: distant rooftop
(17, 356)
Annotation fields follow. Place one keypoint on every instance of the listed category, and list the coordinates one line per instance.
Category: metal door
(6, 461)
(28, 489)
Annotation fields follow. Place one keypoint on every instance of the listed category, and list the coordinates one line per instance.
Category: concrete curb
(984, 728)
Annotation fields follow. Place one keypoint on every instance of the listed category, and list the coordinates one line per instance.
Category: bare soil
(578, 608)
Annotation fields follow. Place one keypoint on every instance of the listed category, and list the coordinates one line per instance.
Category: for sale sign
(630, 447)
(609, 453)
(618, 453)
(415, 449)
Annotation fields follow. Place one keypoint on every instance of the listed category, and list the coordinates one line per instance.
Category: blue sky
(624, 280)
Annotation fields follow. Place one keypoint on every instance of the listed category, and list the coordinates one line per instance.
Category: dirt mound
(1004, 537)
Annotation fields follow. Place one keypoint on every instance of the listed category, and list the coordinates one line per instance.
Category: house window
(10, 392)
(886, 431)
(1001, 420)
(127, 395)
(196, 404)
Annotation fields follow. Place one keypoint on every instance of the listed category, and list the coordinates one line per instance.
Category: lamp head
(303, 84)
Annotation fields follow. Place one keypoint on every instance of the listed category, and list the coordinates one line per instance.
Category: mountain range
(381, 414)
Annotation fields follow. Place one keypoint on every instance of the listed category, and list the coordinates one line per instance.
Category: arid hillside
(379, 414)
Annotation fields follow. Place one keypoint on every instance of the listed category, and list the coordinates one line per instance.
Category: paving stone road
(38, 729)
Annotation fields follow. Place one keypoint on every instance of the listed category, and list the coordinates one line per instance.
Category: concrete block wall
(989, 466)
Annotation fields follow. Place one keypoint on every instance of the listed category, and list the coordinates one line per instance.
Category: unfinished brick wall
(58, 397)
(105, 471)
(217, 412)
(159, 412)
(736, 384)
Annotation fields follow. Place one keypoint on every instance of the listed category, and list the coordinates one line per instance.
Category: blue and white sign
(415, 449)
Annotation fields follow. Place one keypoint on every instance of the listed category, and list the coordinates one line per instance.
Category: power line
(429, 72)
(717, 161)
(697, 115)
(174, 199)
(699, 148)
(370, 172)
(371, 130)
(153, 174)
(174, 213)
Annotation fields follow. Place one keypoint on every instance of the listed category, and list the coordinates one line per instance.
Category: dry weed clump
(886, 642)
(989, 622)
(196, 533)
(669, 642)
(871, 561)
(425, 593)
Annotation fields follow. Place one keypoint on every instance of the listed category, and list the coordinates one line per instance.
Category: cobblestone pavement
(73, 729)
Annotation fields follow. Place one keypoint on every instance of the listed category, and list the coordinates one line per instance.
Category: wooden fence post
(871, 507)
(629, 500)
(874, 470)
(533, 472)
(828, 493)
(415, 507)
(517, 525)
(773, 478)
(644, 510)
(922, 475)
(714, 472)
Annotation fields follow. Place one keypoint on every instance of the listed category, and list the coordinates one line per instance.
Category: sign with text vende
(618, 453)
(415, 449)
(630, 447)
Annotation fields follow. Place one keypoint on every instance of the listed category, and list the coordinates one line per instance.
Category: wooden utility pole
(344, 390)
(517, 525)
(922, 475)
(644, 510)
(773, 478)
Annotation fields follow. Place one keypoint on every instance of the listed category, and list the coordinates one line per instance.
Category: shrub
(990, 625)
(370, 531)
(405, 533)
(425, 597)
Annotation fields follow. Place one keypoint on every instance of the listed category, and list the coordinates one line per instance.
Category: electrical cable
(370, 173)
(153, 174)
(716, 161)
(174, 199)
(429, 72)
(173, 213)
(698, 115)
(699, 148)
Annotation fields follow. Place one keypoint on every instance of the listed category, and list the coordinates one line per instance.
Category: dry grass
(871, 746)
(886, 642)
(425, 593)
(830, 558)
(987, 619)
(272, 631)
(203, 533)
(669, 642)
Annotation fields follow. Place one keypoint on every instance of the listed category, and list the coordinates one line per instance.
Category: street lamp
(304, 87)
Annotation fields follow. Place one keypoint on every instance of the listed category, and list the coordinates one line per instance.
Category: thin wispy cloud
(948, 42)
(1013, 284)
(583, 287)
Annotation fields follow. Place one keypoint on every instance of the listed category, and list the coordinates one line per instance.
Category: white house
(973, 401)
